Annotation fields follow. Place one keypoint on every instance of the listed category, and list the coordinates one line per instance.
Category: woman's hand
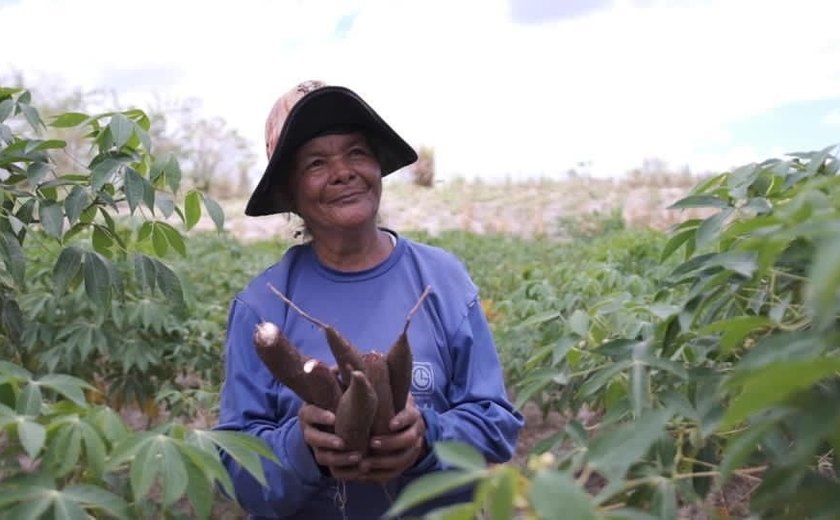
(391, 454)
(328, 448)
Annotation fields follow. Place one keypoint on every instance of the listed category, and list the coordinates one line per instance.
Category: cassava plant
(80, 251)
(364, 391)
(712, 393)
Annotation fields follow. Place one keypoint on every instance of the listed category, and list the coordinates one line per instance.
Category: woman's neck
(352, 251)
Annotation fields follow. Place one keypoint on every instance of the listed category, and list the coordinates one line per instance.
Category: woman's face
(336, 182)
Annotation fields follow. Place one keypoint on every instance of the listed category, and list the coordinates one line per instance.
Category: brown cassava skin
(365, 390)
(347, 357)
(376, 371)
(356, 413)
(286, 363)
(399, 362)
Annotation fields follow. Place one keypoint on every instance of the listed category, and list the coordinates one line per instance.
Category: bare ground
(525, 209)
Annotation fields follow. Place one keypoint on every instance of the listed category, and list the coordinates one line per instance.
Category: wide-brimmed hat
(311, 109)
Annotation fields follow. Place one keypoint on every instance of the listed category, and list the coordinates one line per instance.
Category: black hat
(309, 110)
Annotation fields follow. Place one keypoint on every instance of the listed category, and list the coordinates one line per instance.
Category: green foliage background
(705, 357)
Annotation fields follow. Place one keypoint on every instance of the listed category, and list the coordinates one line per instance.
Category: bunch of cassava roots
(364, 391)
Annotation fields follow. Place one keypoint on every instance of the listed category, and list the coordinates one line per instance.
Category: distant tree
(215, 158)
(423, 171)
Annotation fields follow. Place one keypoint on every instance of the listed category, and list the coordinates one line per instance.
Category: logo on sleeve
(422, 378)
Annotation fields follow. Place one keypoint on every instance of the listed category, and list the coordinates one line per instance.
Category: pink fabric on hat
(280, 111)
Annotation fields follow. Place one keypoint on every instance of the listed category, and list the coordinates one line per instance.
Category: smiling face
(336, 182)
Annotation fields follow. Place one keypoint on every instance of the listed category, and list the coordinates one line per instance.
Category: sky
(501, 89)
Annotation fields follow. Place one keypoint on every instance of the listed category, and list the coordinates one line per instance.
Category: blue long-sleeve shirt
(457, 380)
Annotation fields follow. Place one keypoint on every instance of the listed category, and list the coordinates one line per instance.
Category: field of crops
(678, 363)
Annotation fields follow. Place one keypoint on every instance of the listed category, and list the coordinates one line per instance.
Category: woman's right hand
(328, 448)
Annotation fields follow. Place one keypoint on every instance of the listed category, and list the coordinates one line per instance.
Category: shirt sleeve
(253, 402)
(480, 412)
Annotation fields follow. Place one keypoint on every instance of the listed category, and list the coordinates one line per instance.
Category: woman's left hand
(391, 454)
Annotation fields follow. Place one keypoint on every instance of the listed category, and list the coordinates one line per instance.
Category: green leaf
(665, 500)
(206, 459)
(773, 384)
(32, 117)
(579, 323)
(30, 401)
(429, 486)
(32, 508)
(65, 448)
(556, 496)
(144, 468)
(121, 129)
(675, 242)
(199, 491)
(64, 509)
(824, 284)
(101, 173)
(75, 203)
(215, 211)
(14, 372)
(700, 201)
(98, 498)
(538, 319)
(68, 120)
(14, 257)
(245, 449)
(68, 386)
(173, 471)
(467, 511)
(502, 492)
(639, 379)
(459, 455)
(7, 106)
(174, 238)
(741, 263)
(51, 215)
(134, 189)
(145, 272)
(95, 450)
(709, 230)
(192, 208)
(614, 451)
(173, 173)
(66, 268)
(127, 445)
(31, 436)
(97, 279)
(169, 283)
(110, 424)
(782, 347)
(735, 329)
(161, 245)
(102, 240)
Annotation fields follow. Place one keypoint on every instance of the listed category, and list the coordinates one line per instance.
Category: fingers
(382, 466)
(311, 414)
(327, 447)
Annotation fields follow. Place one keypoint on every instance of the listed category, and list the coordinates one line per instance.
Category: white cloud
(495, 98)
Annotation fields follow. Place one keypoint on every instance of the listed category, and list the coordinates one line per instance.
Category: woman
(328, 151)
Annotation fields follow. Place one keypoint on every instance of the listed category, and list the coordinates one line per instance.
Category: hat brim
(320, 110)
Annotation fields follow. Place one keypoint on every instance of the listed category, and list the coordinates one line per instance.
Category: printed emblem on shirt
(422, 378)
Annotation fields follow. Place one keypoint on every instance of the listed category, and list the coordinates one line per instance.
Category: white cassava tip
(267, 332)
(309, 366)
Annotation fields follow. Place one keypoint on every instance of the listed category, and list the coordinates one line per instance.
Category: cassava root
(364, 391)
